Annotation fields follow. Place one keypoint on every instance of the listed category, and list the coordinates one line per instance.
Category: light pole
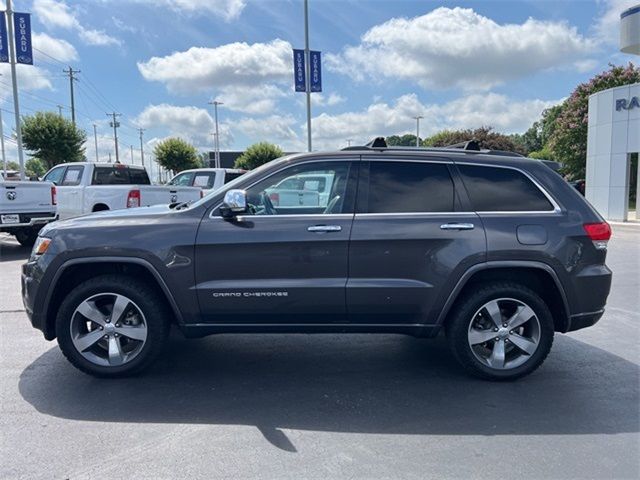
(307, 58)
(418, 117)
(16, 103)
(216, 145)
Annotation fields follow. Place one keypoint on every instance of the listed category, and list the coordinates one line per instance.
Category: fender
(500, 264)
(132, 260)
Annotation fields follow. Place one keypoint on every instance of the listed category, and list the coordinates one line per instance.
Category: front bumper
(584, 320)
(30, 282)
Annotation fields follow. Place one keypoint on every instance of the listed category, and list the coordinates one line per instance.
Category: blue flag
(4, 45)
(22, 25)
(316, 71)
(299, 75)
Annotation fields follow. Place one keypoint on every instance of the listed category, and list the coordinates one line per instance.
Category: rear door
(411, 238)
(279, 265)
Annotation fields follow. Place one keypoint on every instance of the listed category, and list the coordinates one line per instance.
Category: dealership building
(614, 135)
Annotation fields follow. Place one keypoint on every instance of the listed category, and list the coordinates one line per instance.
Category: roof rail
(473, 145)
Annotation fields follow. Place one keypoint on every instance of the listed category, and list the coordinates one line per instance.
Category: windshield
(232, 184)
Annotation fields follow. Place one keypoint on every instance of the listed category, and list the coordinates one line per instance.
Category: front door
(286, 261)
(412, 237)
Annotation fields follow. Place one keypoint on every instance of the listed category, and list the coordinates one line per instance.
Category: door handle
(457, 226)
(324, 228)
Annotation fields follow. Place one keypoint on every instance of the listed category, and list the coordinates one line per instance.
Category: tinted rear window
(493, 189)
(404, 187)
(119, 176)
(232, 176)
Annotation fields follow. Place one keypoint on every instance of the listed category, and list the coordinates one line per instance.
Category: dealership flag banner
(22, 25)
(316, 71)
(299, 74)
(4, 45)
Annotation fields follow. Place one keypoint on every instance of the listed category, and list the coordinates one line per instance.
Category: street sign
(315, 71)
(299, 74)
(22, 25)
(4, 45)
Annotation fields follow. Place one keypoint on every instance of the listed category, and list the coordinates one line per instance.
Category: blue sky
(158, 63)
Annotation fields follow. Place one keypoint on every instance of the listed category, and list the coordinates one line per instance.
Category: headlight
(41, 246)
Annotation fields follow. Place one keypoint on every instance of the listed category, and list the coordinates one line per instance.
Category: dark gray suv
(495, 249)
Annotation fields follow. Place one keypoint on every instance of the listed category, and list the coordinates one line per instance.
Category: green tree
(485, 136)
(258, 154)
(176, 155)
(52, 138)
(406, 140)
(34, 167)
(568, 141)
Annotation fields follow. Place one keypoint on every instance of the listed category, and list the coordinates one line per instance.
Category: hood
(125, 215)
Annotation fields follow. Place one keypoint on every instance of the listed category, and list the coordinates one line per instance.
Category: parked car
(25, 207)
(85, 187)
(496, 250)
(302, 191)
(208, 179)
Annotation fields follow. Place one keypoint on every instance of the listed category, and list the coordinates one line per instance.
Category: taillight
(275, 198)
(54, 195)
(599, 233)
(133, 199)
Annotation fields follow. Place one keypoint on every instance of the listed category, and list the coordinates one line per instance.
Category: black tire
(151, 304)
(458, 324)
(27, 237)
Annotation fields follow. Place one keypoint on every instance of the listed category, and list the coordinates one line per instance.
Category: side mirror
(234, 203)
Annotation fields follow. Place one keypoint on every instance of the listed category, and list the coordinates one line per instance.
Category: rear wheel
(112, 326)
(27, 237)
(501, 331)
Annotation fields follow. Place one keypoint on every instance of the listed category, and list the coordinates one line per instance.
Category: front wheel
(112, 326)
(501, 331)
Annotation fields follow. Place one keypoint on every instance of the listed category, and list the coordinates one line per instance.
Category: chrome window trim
(354, 158)
(414, 214)
(311, 216)
(554, 204)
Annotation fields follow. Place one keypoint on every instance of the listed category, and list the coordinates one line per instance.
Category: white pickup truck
(25, 207)
(85, 187)
(208, 179)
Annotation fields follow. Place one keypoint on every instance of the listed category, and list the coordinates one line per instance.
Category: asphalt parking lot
(325, 406)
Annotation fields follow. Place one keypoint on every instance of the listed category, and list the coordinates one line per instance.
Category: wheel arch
(538, 276)
(100, 207)
(75, 271)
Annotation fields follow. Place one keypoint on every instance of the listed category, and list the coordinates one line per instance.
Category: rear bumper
(584, 320)
(28, 220)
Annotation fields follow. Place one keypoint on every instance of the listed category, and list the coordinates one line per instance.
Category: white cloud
(226, 9)
(55, 47)
(258, 100)
(57, 14)
(321, 100)
(233, 64)
(607, 28)
(192, 123)
(30, 77)
(472, 111)
(276, 128)
(457, 47)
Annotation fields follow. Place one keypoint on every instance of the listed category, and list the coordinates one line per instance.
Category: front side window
(285, 193)
(72, 176)
(204, 179)
(55, 175)
(409, 187)
(494, 189)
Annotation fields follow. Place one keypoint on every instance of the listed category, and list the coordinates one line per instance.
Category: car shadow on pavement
(350, 383)
(11, 250)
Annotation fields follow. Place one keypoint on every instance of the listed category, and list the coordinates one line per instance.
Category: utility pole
(349, 142)
(216, 144)
(71, 72)
(4, 156)
(59, 110)
(142, 148)
(16, 103)
(95, 140)
(307, 59)
(109, 157)
(114, 124)
(418, 117)
(131, 154)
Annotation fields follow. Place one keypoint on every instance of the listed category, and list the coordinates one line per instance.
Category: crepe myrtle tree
(568, 142)
(176, 154)
(258, 154)
(52, 139)
(485, 136)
